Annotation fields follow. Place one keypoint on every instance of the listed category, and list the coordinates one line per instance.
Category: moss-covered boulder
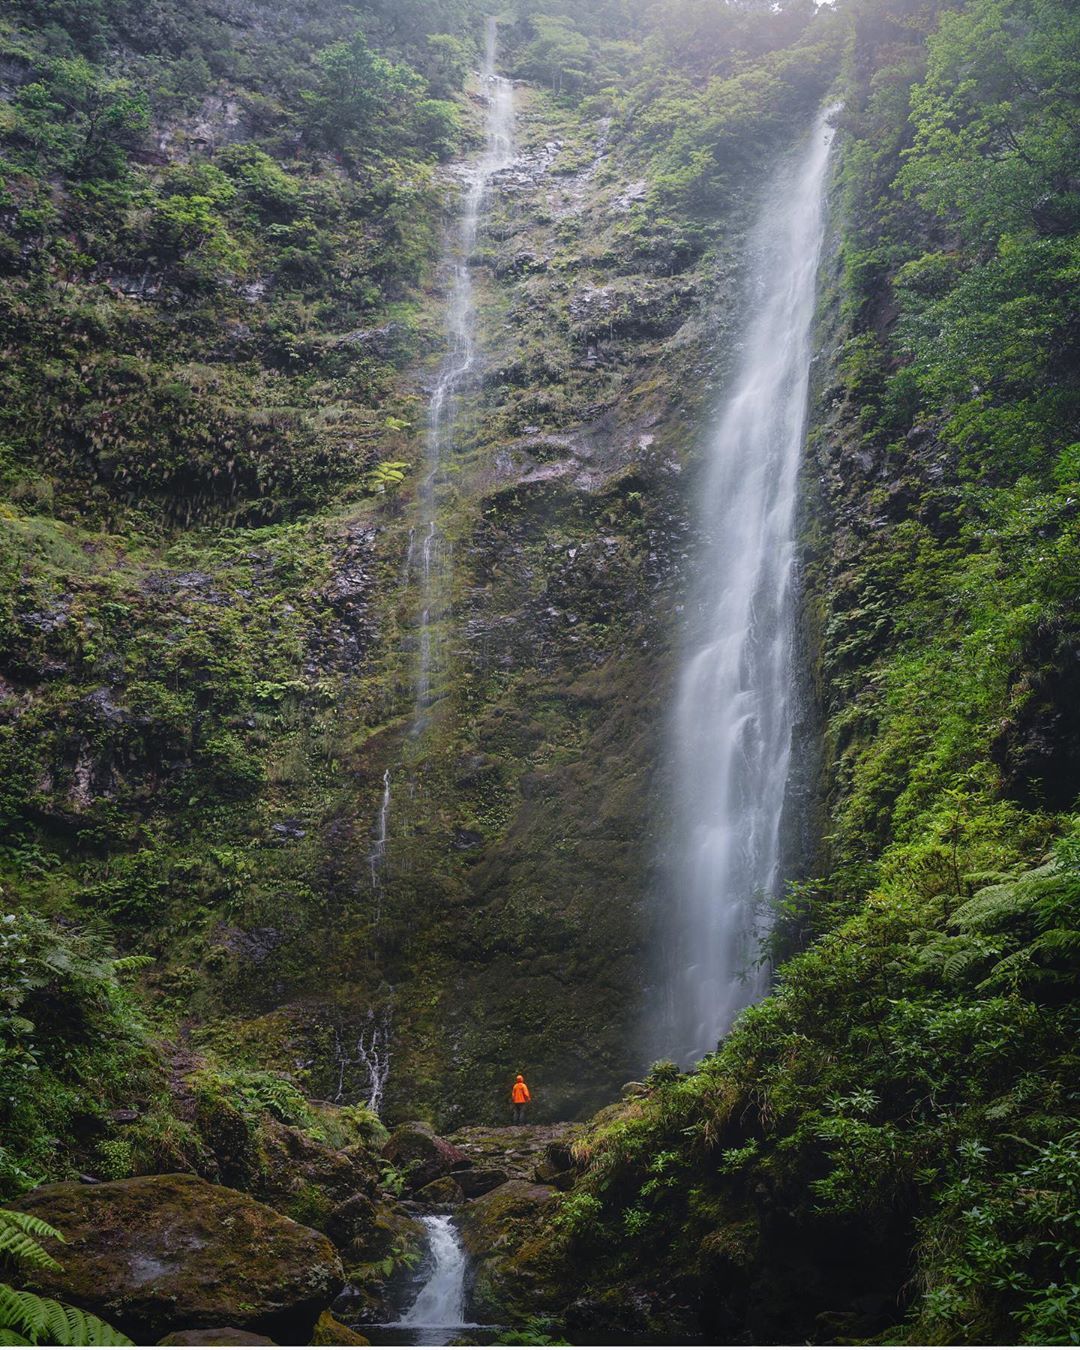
(441, 1191)
(329, 1331)
(503, 1233)
(174, 1253)
(418, 1152)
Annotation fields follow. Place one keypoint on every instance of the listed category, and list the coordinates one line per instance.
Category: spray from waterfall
(457, 368)
(731, 730)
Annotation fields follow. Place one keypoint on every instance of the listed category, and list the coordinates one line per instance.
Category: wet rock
(348, 1221)
(287, 829)
(171, 1253)
(547, 1174)
(421, 1155)
(511, 1211)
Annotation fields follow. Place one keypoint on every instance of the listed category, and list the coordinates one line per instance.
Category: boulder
(513, 1266)
(329, 1331)
(215, 1336)
(442, 1191)
(418, 1152)
(504, 1217)
(476, 1181)
(174, 1253)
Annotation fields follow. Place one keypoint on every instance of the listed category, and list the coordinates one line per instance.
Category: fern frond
(29, 1223)
(20, 1246)
(27, 1314)
(124, 965)
(71, 1326)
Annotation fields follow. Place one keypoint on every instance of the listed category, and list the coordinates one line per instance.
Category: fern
(27, 1319)
(17, 1234)
(124, 965)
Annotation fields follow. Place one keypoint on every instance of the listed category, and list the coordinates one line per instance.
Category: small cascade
(371, 1052)
(731, 733)
(457, 369)
(438, 1310)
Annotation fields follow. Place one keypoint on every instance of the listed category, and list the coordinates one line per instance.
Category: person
(520, 1097)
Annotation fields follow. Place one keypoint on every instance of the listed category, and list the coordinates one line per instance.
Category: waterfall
(731, 730)
(460, 363)
(377, 856)
(440, 1304)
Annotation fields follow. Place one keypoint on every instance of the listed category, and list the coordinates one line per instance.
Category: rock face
(418, 1152)
(169, 1253)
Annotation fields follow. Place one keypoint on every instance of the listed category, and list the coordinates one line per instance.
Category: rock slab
(169, 1253)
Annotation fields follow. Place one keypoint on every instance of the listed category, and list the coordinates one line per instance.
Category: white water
(459, 364)
(440, 1304)
(731, 731)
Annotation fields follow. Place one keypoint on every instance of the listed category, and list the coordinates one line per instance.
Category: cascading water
(440, 1305)
(377, 856)
(460, 363)
(731, 733)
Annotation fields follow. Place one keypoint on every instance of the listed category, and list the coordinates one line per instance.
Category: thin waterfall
(731, 729)
(459, 365)
(377, 856)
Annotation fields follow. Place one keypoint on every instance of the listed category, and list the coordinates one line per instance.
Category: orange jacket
(519, 1093)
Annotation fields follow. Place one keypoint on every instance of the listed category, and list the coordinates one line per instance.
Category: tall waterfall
(459, 364)
(731, 732)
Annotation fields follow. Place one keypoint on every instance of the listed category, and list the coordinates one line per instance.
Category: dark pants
(519, 1113)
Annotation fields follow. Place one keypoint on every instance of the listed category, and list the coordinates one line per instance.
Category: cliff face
(224, 307)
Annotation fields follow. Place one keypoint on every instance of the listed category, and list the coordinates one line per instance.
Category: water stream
(457, 368)
(731, 732)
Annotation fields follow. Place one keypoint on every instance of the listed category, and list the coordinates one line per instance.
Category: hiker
(520, 1097)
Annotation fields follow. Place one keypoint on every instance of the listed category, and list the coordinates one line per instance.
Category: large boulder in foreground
(169, 1253)
(420, 1155)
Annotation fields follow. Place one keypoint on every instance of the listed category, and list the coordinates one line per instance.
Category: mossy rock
(418, 1152)
(329, 1331)
(441, 1191)
(174, 1253)
(502, 1231)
